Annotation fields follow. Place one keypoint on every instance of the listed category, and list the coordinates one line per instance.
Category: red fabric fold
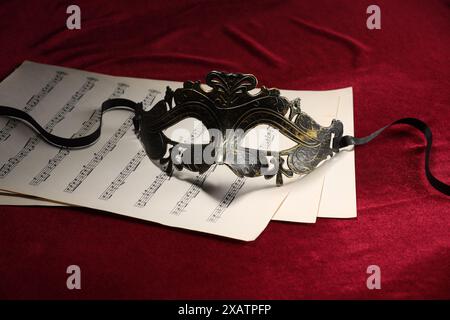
(403, 224)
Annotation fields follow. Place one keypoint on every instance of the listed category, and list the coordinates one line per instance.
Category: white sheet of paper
(14, 199)
(328, 191)
(114, 174)
(339, 191)
(127, 181)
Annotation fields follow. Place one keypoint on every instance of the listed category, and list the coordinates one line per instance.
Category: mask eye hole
(189, 130)
(266, 137)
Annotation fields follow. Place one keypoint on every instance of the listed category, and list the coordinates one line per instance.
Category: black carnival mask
(228, 111)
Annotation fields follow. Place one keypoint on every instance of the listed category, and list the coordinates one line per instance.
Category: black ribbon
(70, 143)
(132, 106)
(413, 122)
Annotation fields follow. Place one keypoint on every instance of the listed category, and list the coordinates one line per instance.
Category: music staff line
(5, 132)
(46, 171)
(151, 190)
(32, 142)
(192, 192)
(148, 193)
(230, 195)
(237, 185)
(123, 175)
(109, 146)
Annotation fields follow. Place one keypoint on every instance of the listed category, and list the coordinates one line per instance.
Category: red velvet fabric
(402, 225)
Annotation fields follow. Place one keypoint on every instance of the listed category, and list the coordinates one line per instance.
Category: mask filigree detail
(226, 103)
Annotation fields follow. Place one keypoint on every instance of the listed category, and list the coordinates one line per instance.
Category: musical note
(33, 102)
(105, 149)
(123, 175)
(151, 190)
(148, 100)
(237, 185)
(227, 199)
(192, 192)
(45, 172)
(34, 141)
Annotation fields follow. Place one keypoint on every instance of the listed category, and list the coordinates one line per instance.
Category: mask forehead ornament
(227, 105)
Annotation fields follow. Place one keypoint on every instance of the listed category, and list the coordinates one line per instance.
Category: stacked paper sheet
(115, 175)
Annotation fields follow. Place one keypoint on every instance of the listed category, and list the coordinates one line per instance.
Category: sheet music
(114, 174)
(329, 191)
